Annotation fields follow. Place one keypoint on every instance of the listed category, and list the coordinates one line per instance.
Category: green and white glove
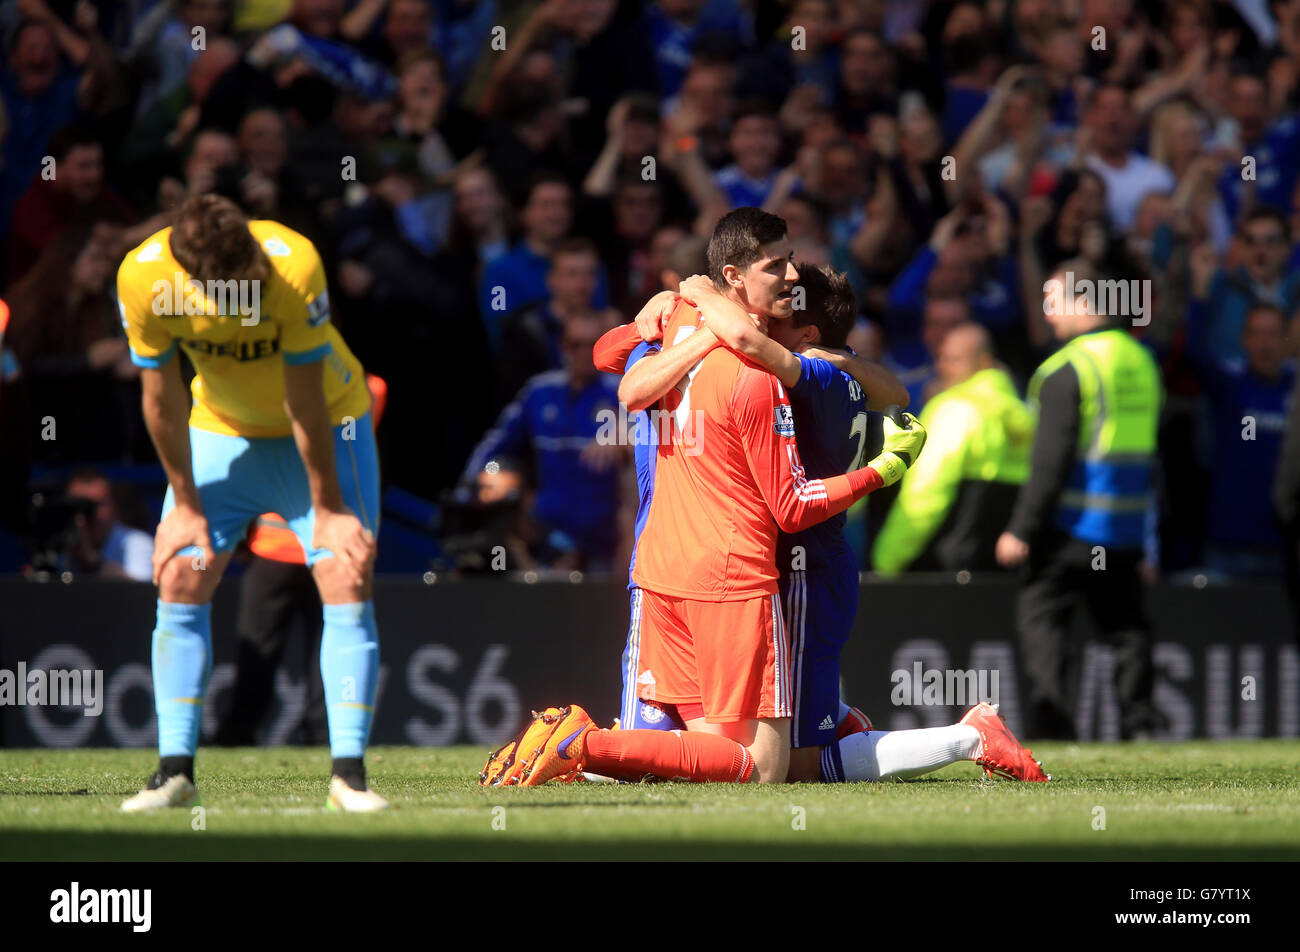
(904, 438)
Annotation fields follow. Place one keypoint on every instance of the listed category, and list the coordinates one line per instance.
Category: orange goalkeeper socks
(672, 755)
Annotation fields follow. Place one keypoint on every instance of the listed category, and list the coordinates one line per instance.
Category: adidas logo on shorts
(827, 724)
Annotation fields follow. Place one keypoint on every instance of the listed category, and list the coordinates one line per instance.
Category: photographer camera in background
(103, 546)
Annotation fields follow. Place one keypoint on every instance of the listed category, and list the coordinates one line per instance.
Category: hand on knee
(184, 580)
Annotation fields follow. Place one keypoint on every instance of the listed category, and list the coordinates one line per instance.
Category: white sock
(901, 755)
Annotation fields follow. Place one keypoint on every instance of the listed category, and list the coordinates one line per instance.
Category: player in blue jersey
(830, 391)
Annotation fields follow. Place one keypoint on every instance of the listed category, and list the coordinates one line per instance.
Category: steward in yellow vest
(1078, 525)
(959, 495)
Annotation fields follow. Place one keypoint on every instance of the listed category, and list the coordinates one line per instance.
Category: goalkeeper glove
(904, 438)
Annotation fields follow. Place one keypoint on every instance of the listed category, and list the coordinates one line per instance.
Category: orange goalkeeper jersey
(728, 479)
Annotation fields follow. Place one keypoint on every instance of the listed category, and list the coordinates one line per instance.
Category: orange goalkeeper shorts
(732, 658)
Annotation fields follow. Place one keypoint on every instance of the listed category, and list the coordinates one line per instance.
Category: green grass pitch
(1192, 801)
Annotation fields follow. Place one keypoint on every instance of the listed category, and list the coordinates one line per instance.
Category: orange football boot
(1000, 752)
(555, 749)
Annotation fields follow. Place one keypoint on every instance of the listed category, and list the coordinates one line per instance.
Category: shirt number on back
(858, 432)
(682, 412)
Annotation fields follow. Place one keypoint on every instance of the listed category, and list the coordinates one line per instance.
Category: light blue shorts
(240, 478)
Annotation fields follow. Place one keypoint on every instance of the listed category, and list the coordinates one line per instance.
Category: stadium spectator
(1247, 405)
(532, 340)
(103, 546)
(263, 141)
(1272, 143)
(839, 185)
(165, 128)
(701, 112)
(578, 516)
(399, 304)
(633, 134)
(169, 40)
(967, 254)
(1262, 277)
(65, 333)
(322, 18)
(913, 362)
(799, 74)
(1179, 134)
(958, 497)
(1129, 175)
(866, 80)
(407, 29)
(441, 129)
(527, 139)
(915, 150)
(611, 55)
(677, 26)
(52, 74)
(637, 211)
(518, 279)
(480, 220)
(973, 68)
(74, 191)
(210, 151)
(754, 144)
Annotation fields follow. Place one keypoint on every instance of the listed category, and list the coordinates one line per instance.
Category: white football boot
(344, 798)
(177, 791)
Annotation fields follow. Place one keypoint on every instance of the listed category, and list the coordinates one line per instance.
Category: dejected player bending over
(280, 423)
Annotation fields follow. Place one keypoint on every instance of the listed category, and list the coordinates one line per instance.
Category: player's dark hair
(738, 240)
(830, 304)
(211, 241)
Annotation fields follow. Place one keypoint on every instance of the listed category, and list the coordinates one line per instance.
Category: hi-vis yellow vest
(979, 431)
(1120, 394)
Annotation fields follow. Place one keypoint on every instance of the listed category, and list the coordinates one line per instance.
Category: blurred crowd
(493, 183)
